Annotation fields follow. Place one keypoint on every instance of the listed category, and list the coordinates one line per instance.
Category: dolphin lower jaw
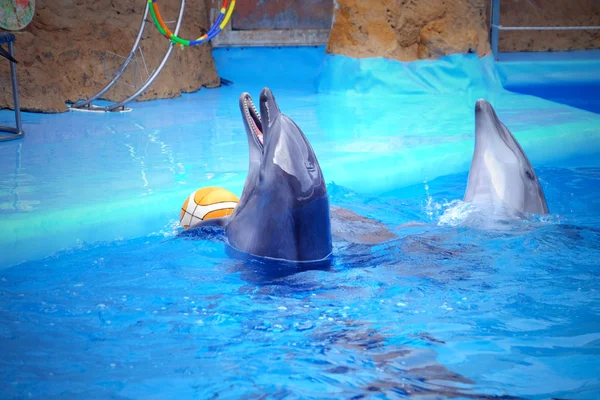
(253, 119)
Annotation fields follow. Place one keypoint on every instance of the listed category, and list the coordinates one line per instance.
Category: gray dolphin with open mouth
(283, 212)
(500, 171)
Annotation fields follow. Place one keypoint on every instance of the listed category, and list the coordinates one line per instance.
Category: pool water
(444, 310)
(101, 298)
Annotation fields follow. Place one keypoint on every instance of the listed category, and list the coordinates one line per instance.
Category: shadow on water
(261, 271)
(402, 370)
(256, 270)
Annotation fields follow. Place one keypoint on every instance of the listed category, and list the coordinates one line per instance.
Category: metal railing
(88, 105)
(497, 27)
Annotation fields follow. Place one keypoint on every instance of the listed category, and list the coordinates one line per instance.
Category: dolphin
(283, 212)
(500, 171)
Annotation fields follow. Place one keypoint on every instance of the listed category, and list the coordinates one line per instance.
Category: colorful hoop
(217, 27)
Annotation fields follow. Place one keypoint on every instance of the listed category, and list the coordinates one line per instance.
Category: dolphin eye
(309, 164)
(529, 174)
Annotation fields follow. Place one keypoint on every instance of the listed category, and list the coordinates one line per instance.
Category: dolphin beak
(252, 118)
(486, 120)
(268, 107)
(483, 105)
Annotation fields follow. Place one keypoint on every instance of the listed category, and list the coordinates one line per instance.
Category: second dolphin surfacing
(500, 172)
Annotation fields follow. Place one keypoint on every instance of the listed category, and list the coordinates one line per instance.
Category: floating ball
(207, 203)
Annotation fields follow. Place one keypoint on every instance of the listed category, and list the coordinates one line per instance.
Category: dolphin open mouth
(253, 118)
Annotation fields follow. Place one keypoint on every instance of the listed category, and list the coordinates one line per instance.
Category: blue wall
(571, 78)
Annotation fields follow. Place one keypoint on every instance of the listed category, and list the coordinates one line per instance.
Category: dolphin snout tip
(268, 105)
(266, 94)
(482, 104)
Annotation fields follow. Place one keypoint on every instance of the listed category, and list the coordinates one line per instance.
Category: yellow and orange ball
(207, 203)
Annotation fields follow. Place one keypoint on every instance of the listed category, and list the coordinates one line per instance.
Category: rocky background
(408, 30)
(549, 13)
(61, 52)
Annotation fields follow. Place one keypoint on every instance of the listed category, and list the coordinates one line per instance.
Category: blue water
(99, 297)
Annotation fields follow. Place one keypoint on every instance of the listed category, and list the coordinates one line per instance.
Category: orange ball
(206, 203)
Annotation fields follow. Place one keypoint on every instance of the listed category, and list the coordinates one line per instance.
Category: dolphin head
(500, 170)
(284, 196)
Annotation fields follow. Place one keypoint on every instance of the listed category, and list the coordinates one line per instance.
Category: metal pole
(495, 24)
(83, 103)
(14, 133)
(157, 71)
(15, 87)
(546, 28)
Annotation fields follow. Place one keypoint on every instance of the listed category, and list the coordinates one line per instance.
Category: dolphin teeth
(256, 111)
(251, 119)
(253, 108)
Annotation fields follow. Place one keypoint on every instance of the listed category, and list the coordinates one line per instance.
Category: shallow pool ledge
(573, 81)
(571, 78)
(457, 73)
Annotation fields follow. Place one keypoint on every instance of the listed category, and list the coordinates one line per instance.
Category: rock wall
(61, 52)
(549, 13)
(408, 30)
